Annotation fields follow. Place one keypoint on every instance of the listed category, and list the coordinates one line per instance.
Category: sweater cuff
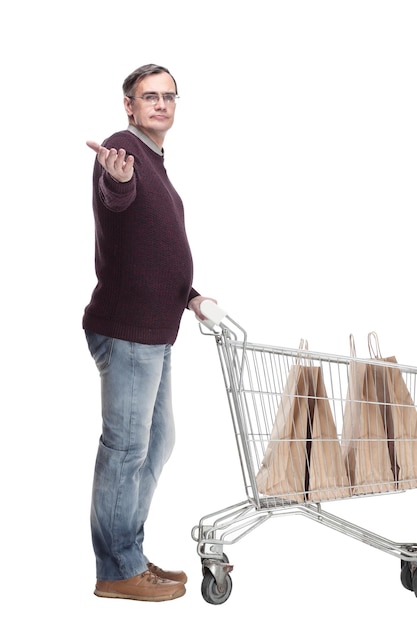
(116, 186)
(193, 294)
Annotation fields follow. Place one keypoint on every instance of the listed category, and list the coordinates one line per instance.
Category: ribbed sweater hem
(119, 330)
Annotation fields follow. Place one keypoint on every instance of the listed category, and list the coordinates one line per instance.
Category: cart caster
(215, 593)
(217, 584)
(406, 575)
(409, 575)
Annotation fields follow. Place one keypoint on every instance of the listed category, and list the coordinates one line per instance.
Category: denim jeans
(137, 439)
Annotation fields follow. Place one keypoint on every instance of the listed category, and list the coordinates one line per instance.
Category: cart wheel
(210, 591)
(414, 581)
(406, 576)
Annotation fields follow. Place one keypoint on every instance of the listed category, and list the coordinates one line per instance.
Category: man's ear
(128, 105)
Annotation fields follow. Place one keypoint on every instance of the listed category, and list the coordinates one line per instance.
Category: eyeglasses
(153, 98)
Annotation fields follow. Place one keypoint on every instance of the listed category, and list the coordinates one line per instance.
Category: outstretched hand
(114, 161)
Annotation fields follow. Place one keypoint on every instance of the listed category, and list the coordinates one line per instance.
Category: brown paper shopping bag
(364, 438)
(399, 414)
(328, 479)
(304, 454)
(283, 469)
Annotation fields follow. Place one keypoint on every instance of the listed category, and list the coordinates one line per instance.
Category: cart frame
(231, 524)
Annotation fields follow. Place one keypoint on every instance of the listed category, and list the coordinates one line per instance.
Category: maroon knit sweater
(143, 260)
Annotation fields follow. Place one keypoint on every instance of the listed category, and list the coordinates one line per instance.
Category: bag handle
(303, 345)
(373, 345)
(352, 346)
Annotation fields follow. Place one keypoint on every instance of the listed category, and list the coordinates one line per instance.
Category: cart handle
(212, 312)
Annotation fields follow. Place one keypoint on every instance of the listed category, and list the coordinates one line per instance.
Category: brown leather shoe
(177, 576)
(145, 586)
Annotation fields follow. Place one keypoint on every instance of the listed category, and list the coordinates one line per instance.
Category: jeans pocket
(100, 348)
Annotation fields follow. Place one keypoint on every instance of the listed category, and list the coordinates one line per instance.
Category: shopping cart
(310, 427)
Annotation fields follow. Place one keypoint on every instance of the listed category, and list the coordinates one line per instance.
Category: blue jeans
(137, 439)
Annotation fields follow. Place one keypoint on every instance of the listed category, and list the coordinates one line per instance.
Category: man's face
(153, 119)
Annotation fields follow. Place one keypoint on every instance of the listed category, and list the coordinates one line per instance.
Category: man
(144, 282)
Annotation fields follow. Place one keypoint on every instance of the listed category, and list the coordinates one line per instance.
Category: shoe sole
(123, 596)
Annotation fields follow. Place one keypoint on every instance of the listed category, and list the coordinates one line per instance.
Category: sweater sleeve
(116, 196)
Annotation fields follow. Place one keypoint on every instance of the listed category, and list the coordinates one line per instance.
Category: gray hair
(140, 73)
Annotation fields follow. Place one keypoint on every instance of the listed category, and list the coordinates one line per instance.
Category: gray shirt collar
(151, 144)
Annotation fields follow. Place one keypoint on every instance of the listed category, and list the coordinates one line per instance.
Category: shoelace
(156, 570)
(150, 577)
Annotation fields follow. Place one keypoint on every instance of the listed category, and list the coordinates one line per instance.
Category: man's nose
(161, 102)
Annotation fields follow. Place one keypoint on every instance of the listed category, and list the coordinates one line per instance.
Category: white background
(294, 150)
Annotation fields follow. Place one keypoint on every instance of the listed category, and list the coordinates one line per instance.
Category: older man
(144, 283)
